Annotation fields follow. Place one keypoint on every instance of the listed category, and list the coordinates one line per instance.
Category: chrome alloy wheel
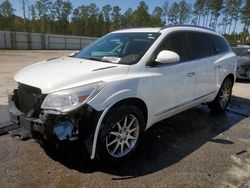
(123, 136)
(225, 94)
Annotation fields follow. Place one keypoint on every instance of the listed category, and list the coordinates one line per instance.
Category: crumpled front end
(25, 111)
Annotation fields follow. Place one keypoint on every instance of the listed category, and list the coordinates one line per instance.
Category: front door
(174, 83)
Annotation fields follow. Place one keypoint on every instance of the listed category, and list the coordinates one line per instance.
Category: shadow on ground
(243, 81)
(164, 144)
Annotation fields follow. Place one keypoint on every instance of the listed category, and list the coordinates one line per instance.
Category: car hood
(66, 72)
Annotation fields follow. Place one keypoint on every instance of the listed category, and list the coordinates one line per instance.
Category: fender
(107, 108)
(99, 104)
(97, 131)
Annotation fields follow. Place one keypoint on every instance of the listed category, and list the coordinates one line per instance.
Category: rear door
(202, 54)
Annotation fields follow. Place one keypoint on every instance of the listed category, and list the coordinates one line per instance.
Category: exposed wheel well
(135, 102)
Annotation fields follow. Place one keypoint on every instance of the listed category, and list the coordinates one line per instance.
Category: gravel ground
(192, 149)
(13, 61)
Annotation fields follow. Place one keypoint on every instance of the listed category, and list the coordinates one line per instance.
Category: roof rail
(169, 26)
(136, 27)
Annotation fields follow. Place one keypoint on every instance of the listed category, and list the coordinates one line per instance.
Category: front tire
(223, 97)
(121, 132)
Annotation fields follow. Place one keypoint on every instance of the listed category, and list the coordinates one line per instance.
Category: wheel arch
(139, 103)
(231, 77)
(219, 84)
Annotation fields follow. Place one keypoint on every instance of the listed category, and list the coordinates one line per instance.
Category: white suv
(109, 93)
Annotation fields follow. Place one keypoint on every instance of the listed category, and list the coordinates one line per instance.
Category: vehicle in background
(243, 62)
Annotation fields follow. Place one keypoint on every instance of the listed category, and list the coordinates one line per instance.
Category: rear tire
(220, 103)
(120, 134)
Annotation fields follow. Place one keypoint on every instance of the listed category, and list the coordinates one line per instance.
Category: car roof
(167, 28)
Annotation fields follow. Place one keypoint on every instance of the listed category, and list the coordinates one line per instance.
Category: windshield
(121, 48)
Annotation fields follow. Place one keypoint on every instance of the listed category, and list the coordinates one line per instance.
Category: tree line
(60, 17)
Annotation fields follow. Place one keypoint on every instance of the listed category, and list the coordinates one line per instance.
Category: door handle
(218, 66)
(190, 74)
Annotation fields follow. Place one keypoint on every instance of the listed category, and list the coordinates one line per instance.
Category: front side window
(121, 48)
(175, 42)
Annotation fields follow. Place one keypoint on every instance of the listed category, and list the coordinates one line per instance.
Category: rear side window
(199, 45)
(220, 44)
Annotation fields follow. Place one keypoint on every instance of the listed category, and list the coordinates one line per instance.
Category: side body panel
(206, 72)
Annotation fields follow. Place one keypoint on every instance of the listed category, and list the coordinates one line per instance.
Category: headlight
(71, 99)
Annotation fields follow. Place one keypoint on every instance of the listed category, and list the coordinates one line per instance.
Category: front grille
(29, 100)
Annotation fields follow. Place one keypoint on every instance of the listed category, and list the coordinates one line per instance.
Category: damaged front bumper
(53, 125)
(29, 124)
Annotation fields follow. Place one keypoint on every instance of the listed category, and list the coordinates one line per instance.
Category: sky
(123, 4)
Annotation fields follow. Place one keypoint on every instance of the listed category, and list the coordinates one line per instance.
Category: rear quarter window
(220, 44)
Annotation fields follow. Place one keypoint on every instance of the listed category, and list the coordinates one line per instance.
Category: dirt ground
(192, 149)
(12, 61)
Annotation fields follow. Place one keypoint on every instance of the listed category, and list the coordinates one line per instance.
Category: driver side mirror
(166, 56)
